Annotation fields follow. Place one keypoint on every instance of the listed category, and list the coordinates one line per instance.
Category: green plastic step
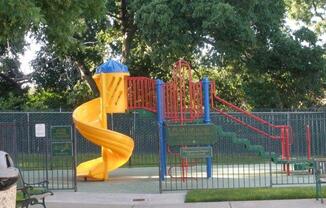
(244, 141)
(230, 135)
(255, 148)
(271, 155)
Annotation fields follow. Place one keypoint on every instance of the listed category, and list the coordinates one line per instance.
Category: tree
(56, 23)
(289, 73)
(16, 18)
(228, 29)
(247, 38)
(11, 78)
(57, 78)
(311, 12)
(54, 73)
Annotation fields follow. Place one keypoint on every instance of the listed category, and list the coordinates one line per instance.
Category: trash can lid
(6, 173)
(7, 169)
(5, 160)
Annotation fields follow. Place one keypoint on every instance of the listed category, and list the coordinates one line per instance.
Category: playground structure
(183, 109)
(91, 121)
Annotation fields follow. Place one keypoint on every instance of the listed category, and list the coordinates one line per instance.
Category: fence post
(133, 130)
(160, 121)
(287, 146)
(28, 134)
(47, 141)
(207, 120)
(270, 164)
(75, 156)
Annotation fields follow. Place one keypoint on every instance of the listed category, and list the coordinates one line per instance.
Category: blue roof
(111, 66)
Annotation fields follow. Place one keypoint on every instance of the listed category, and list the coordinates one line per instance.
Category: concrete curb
(165, 200)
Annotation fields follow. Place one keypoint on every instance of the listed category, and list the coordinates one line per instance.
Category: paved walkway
(165, 200)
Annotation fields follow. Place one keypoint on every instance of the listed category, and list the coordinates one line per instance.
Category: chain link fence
(40, 157)
(241, 157)
(34, 156)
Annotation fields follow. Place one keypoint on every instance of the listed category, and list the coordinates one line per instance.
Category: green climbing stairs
(258, 149)
(299, 164)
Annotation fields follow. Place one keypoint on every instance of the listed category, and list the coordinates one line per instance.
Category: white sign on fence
(40, 130)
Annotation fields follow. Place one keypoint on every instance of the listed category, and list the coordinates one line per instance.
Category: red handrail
(260, 120)
(261, 132)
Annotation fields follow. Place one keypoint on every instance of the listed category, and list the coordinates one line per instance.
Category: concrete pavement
(165, 200)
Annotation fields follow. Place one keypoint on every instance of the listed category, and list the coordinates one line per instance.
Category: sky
(29, 54)
(33, 47)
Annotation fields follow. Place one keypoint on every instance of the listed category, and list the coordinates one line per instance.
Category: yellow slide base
(92, 169)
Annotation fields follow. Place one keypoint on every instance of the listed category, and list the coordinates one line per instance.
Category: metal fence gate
(47, 154)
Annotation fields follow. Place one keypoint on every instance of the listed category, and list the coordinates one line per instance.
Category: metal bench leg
(43, 202)
(321, 194)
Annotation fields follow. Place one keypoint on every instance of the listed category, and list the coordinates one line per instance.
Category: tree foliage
(244, 45)
(59, 24)
(54, 73)
(311, 12)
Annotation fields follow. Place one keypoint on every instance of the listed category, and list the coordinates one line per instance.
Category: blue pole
(160, 121)
(207, 120)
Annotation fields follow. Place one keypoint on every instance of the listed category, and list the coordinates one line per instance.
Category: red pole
(175, 101)
(288, 150)
(282, 146)
(283, 143)
(308, 140)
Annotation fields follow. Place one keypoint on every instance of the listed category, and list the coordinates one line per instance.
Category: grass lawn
(246, 194)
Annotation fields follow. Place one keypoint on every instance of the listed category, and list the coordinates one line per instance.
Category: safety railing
(182, 107)
(170, 101)
(141, 93)
(196, 100)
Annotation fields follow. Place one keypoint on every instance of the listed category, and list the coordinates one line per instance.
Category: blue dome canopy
(111, 66)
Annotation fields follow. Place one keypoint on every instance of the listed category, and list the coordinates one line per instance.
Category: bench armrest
(44, 184)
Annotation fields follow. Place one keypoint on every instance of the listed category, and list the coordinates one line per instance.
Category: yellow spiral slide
(90, 119)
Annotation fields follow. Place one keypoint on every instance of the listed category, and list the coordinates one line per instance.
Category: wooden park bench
(320, 176)
(31, 193)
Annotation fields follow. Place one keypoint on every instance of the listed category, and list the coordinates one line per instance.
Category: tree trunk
(125, 48)
(128, 29)
(87, 75)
